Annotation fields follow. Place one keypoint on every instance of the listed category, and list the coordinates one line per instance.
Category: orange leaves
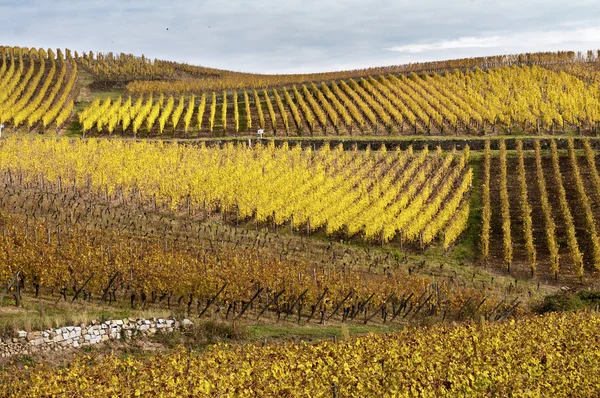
(144, 266)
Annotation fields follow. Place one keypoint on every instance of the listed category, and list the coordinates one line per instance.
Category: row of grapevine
(549, 223)
(434, 104)
(585, 204)
(315, 107)
(377, 194)
(442, 103)
(505, 209)
(236, 112)
(331, 113)
(282, 111)
(308, 114)
(11, 92)
(513, 190)
(362, 105)
(41, 98)
(486, 211)
(363, 366)
(576, 255)
(270, 110)
(560, 217)
(591, 162)
(457, 225)
(261, 116)
(525, 208)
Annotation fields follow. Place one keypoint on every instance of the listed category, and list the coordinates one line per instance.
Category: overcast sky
(288, 36)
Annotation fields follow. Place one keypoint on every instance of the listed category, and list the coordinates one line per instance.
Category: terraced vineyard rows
(234, 80)
(40, 94)
(37, 88)
(378, 196)
(71, 263)
(258, 240)
(449, 104)
(550, 212)
(70, 230)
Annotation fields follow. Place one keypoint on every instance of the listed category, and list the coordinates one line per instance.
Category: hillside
(396, 229)
(546, 93)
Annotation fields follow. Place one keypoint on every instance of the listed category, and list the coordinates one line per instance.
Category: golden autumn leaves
(376, 194)
(560, 358)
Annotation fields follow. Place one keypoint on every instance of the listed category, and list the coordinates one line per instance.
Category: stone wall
(85, 335)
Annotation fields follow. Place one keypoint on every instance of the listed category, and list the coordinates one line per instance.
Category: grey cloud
(296, 35)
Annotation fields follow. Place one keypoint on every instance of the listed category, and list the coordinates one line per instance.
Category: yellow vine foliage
(552, 356)
(550, 225)
(525, 208)
(486, 211)
(576, 255)
(329, 188)
(505, 208)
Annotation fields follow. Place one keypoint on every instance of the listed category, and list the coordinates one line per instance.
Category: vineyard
(36, 88)
(552, 93)
(543, 217)
(441, 207)
(408, 196)
(457, 103)
(471, 360)
(146, 75)
(126, 67)
(72, 264)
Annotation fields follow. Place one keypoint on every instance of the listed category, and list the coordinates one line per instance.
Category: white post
(1, 127)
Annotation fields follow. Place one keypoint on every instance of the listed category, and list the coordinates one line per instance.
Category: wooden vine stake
(14, 281)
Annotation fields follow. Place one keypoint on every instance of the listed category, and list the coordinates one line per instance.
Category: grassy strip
(39, 314)
(467, 248)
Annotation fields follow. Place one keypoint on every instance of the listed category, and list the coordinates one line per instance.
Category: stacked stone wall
(85, 335)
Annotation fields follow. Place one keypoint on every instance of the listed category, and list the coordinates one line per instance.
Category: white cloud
(462, 42)
(551, 40)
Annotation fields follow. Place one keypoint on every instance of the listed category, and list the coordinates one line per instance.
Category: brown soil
(520, 266)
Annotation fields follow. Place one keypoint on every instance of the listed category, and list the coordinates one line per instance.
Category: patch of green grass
(26, 360)
(468, 247)
(102, 95)
(85, 77)
(561, 302)
(74, 129)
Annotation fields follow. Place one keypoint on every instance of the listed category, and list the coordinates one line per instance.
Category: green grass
(562, 302)
(102, 95)
(85, 77)
(74, 130)
(468, 247)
